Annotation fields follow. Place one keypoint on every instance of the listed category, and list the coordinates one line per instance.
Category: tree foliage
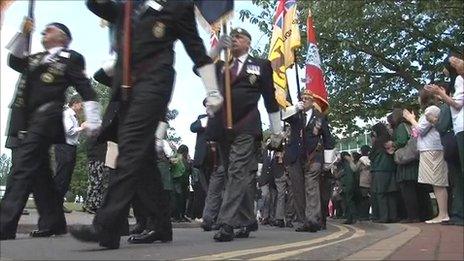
(375, 54)
(5, 165)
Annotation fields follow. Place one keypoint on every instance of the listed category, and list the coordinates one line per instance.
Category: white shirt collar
(309, 114)
(55, 50)
(242, 58)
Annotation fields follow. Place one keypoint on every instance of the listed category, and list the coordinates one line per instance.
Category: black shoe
(48, 232)
(242, 233)
(289, 224)
(150, 236)
(350, 221)
(137, 229)
(308, 228)
(225, 234)
(7, 236)
(89, 234)
(207, 226)
(84, 233)
(279, 223)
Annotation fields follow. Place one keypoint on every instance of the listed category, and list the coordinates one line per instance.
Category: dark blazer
(40, 95)
(154, 33)
(316, 132)
(253, 81)
(200, 145)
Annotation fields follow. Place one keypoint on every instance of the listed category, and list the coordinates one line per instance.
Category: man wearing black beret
(36, 122)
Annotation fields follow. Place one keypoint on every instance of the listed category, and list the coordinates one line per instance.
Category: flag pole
(126, 57)
(298, 89)
(228, 92)
(30, 14)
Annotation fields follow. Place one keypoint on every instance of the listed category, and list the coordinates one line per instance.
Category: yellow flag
(285, 38)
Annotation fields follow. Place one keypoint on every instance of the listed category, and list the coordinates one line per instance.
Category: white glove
(275, 125)
(92, 116)
(329, 158)
(213, 96)
(161, 130)
(18, 44)
(225, 41)
(299, 106)
(159, 146)
(213, 102)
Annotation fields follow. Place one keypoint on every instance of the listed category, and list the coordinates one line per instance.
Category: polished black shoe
(150, 236)
(279, 223)
(253, 226)
(48, 232)
(242, 233)
(225, 234)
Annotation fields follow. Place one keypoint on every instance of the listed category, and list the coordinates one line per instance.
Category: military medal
(47, 77)
(253, 78)
(158, 29)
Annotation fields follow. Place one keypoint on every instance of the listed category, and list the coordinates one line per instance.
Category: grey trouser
(240, 160)
(305, 186)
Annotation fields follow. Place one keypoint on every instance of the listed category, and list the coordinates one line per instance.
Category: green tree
(375, 54)
(5, 165)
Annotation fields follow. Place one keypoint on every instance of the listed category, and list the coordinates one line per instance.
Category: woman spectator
(363, 167)
(383, 171)
(414, 197)
(432, 165)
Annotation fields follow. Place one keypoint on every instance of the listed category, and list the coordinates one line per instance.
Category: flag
(4, 4)
(285, 39)
(213, 13)
(314, 75)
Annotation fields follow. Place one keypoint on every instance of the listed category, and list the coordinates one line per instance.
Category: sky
(91, 40)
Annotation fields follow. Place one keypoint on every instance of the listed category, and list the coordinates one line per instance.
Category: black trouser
(364, 204)
(137, 174)
(65, 160)
(387, 206)
(409, 192)
(30, 172)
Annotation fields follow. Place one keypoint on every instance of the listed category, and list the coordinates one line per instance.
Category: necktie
(234, 70)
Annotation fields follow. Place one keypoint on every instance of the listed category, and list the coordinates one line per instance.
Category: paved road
(269, 243)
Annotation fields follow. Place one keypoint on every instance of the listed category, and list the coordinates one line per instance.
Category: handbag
(409, 152)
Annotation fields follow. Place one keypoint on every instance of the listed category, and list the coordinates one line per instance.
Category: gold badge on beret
(159, 29)
(47, 77)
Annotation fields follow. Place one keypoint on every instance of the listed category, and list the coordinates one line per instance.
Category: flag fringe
(216, 27)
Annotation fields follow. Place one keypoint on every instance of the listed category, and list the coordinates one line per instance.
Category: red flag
(314, 75)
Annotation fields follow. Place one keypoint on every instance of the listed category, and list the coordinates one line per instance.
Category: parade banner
(212, 14)
(314, 73)
(285, 40)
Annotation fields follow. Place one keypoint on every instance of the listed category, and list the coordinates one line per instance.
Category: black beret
(63, 28)
(240, 31)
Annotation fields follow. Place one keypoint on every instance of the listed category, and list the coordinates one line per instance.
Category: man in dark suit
(251, 78)
(155, 25)
(36, 122)
(203, 162)
(310, 148)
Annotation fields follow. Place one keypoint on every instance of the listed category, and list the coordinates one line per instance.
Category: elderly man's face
(240, 44)
(52, 36)
(308, 102)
